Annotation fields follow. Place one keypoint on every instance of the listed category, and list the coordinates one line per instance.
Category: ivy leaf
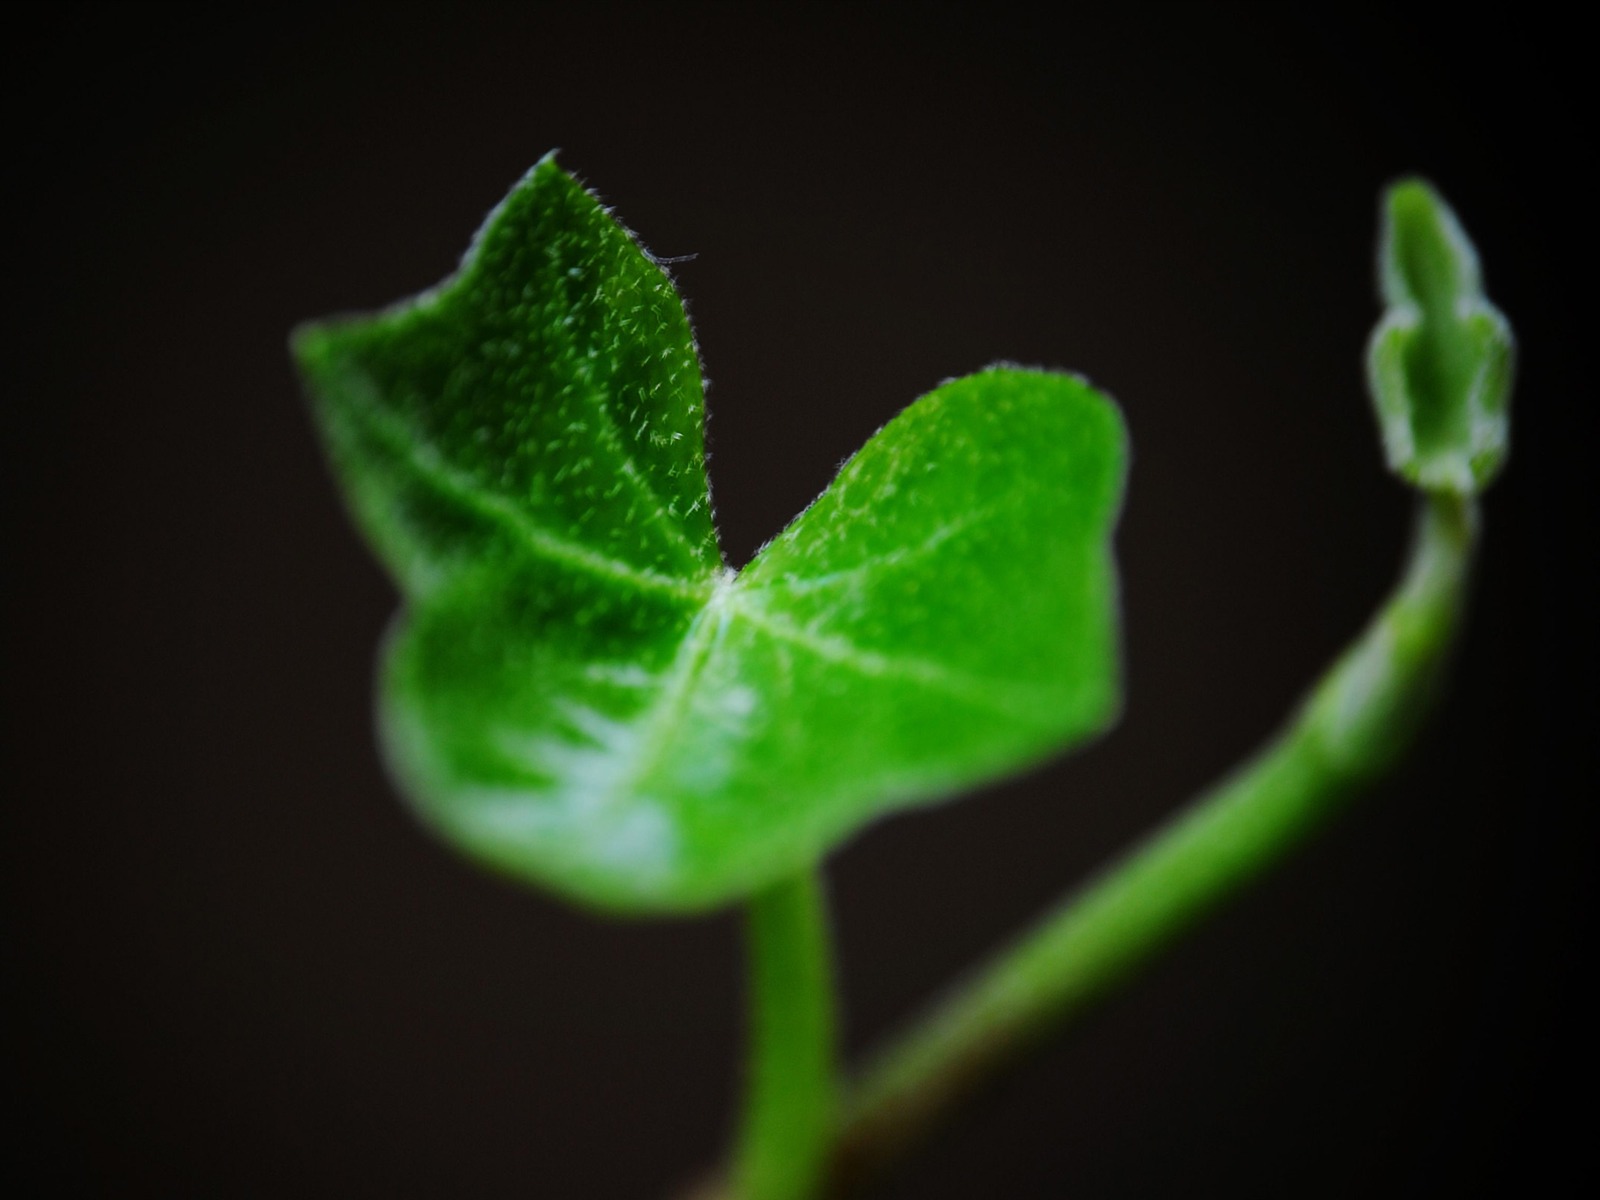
(579, 693)
(1440, 361)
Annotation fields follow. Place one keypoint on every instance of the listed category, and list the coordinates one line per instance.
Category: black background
(234, 967)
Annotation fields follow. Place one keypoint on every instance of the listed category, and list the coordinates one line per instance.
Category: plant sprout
(580, 694)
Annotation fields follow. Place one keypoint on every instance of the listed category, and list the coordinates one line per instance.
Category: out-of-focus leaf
(1440, 360)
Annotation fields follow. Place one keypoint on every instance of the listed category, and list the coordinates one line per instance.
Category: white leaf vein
(419, 456)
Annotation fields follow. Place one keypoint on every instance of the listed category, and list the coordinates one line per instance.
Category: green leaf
(580, 694)
(1440, 361)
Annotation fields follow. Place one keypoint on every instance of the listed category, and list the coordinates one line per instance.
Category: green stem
(1356, 720)
(791, 1106)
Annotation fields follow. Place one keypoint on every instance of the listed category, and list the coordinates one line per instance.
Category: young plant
(579, 693)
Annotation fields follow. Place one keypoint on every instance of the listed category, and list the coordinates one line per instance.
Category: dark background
(234, 967)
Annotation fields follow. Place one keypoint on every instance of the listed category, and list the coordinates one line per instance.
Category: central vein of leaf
(729, 603)
(672, 704)
(539, 541)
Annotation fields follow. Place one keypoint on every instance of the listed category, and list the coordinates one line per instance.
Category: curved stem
(791, 1102)
(1356, 720)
